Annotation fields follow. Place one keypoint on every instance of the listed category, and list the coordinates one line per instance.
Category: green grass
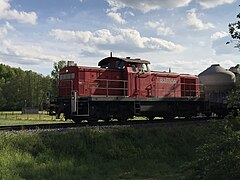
(28, 122)
(128, 153)
(17, 118)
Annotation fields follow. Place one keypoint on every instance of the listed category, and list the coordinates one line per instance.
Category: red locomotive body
(124, 87)
(125, 77)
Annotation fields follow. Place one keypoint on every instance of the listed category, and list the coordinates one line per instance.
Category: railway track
(111, 124)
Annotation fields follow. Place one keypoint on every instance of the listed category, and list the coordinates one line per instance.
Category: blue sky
(184, 35)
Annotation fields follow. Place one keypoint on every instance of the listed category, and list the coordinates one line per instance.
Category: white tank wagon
(217, 79)
(217, 83)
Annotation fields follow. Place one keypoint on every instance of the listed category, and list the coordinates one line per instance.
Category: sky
(184, 35)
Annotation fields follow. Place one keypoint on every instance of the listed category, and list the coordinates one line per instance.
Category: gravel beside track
(111, 124)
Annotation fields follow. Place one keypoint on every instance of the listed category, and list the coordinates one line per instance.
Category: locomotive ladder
(79, 106)
(83, 107)
(137, 107)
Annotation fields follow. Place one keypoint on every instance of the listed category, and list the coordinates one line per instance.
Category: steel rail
(129, 123)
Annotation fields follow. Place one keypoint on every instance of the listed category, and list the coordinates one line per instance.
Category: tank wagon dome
(236, 71)
(216, 78)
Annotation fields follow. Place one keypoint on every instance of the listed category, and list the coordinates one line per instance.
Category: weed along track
(111, 124)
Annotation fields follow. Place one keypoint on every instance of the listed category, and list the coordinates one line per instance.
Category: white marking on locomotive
(168, 81)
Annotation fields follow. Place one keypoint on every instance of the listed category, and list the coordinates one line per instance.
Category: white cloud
(120, 40)
(195, 23)
(220, 46)
(147, 5)
(219, 35)
(23, 53)
(185, 65)
(130, 13)
(214, 3)
(5, 29)
(12, 14)
(53, 20)
(160, 27)
(116, 17)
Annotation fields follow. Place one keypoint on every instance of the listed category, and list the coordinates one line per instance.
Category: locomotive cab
(132, 65)
(136, 72)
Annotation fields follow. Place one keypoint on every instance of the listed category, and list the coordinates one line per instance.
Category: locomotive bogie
(102, 108)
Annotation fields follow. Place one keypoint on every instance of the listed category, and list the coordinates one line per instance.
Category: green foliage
(20, 88)
(234, 97)
(219, 157)
(234, 30)
(57, 66)
(128, 153)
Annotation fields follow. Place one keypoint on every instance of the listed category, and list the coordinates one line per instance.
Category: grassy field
(17, 118)
(125, 153)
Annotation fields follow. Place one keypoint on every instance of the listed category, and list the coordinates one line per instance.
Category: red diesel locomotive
(122, 88)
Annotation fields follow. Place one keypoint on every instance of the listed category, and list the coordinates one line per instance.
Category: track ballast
(111, 124)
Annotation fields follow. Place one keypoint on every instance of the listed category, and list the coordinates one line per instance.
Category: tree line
(19, 88)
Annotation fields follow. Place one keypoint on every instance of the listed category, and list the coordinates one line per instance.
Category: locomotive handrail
(179, 89)
(107, 87)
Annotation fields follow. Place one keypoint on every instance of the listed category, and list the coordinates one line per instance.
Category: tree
(57, 66)
(234, 30)
(20, 88)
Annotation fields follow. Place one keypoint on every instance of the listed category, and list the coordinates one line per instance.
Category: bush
(219, 157)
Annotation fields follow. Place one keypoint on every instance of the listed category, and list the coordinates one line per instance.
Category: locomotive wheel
(150, 118)
(107, 119)
(208, 115)
(77, 120)
(188, 117)
(122, 119)
(94, 114)
(168, 117)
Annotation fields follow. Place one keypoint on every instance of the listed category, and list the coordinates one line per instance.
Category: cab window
(106, 65)
(119, 65)
(144, 68)
(67, 76)
(134, 68)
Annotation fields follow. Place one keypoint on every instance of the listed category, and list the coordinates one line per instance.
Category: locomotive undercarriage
(93, 109)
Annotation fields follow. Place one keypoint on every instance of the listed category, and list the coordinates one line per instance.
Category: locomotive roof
(127, 59)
